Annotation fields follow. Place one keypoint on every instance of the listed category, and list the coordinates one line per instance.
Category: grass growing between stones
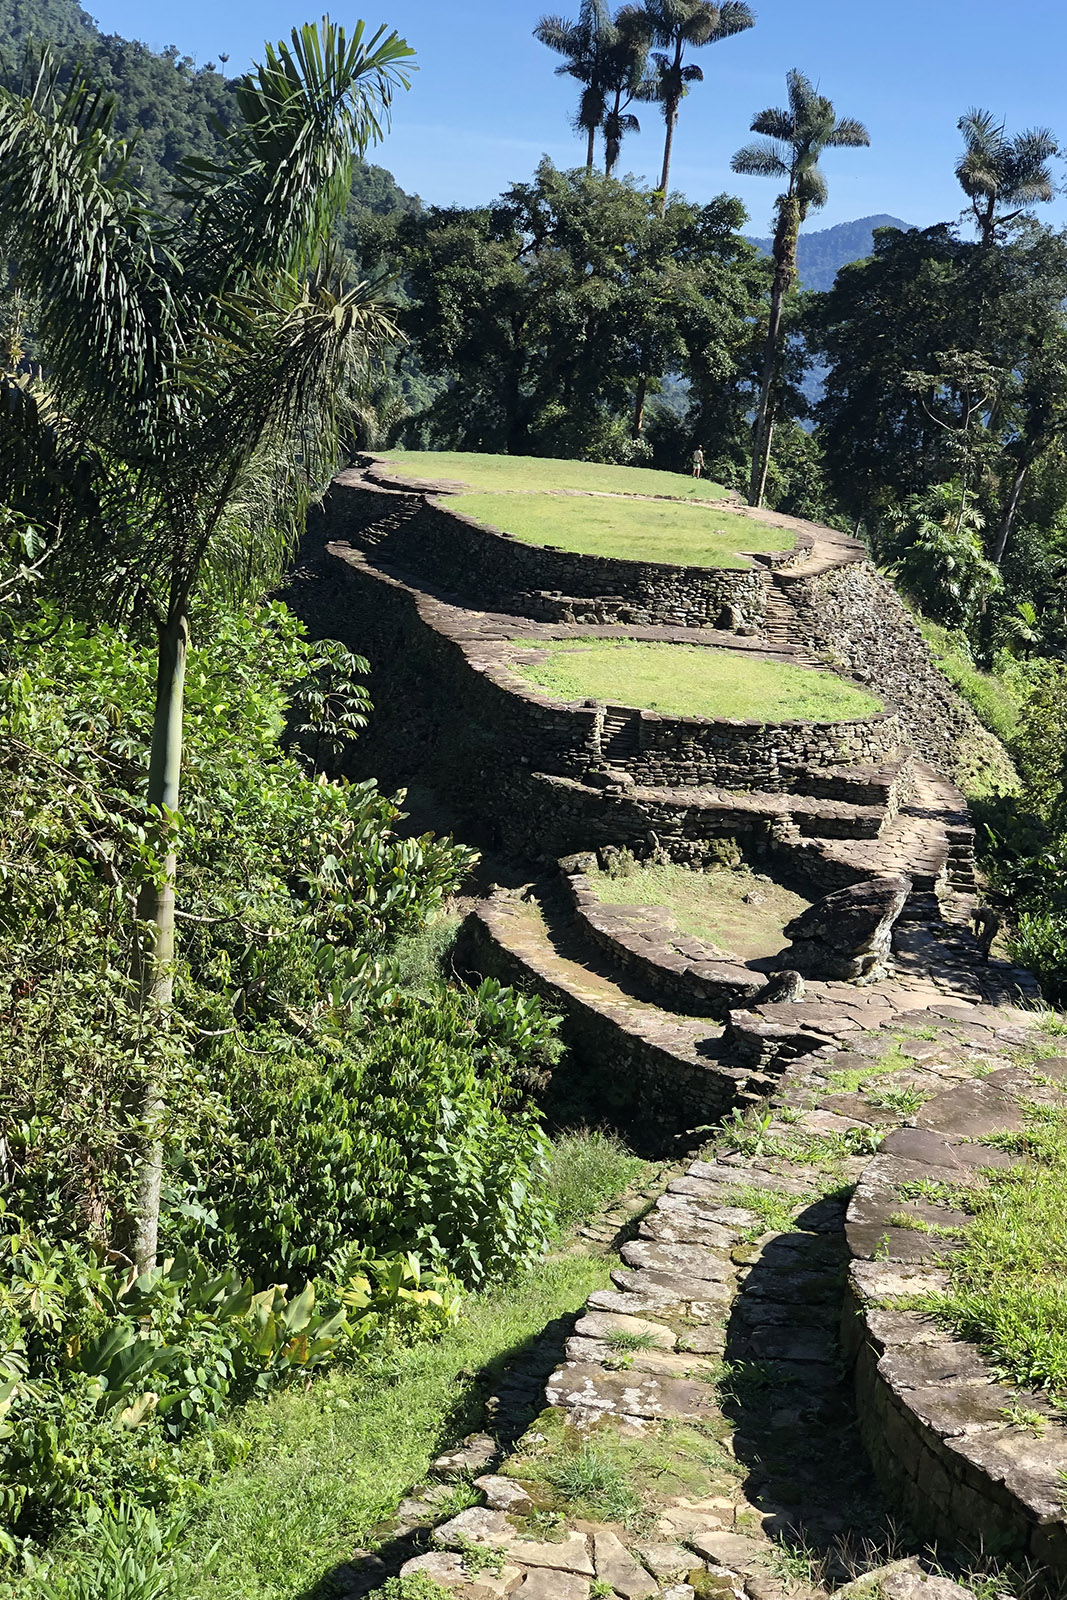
(1008, 1289)
(691, 681)
(629, 530)
(741, 913)
(535, 472)
(615, 1477)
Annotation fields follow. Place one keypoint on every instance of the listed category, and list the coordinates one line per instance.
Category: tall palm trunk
(671, 115)
(785, 249)
(155, 916)
(590, 150)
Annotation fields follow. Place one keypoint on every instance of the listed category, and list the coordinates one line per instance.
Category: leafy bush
(1039, 942)
(328, 1129)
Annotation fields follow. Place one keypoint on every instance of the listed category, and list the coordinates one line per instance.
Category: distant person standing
(698, 461)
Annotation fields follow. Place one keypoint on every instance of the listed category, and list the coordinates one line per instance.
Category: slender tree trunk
(1007, 521)
(766, 463)
(671, 115)
(761, 431)
(590, 150)
(639, 408)
(155, 915)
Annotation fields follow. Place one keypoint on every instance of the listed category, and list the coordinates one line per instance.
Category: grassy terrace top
(526, 497)
(534, 472)
(691, 681)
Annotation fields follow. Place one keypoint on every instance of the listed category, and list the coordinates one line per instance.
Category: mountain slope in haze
(821, 255)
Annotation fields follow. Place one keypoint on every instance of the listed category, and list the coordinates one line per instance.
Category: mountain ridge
(822, 254)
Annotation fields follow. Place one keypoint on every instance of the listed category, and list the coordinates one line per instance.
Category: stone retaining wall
(857, 620)
(935, 1420)
(488, 717)
(645, 1082)
(682, 972)
(496, 571)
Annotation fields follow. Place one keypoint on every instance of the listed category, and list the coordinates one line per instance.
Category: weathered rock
(586, 1387)
(847, 934)
(902, 1580)
(503, 1494)
(787, 985)
(476, 1525)
(474, 1454)
(615, 1565)
(545, 1584)
(450, 1571)
(667, 1561)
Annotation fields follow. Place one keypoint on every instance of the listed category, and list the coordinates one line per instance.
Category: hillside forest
(250, 1126)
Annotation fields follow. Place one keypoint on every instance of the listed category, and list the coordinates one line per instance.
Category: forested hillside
(822, 254)
(163, 99)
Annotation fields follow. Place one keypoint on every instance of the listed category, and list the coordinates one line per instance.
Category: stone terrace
(742, 1259)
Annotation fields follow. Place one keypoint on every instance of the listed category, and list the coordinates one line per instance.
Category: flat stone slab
(668, 1561)
(473, 1455)
(602, 1324)
(583, 1386)
(687, 1226)
(544, 1584)
(733, 1550)
(615, 1565)
(569, 1555)
(661, 1363)
(676, 1290)
(680, 1260)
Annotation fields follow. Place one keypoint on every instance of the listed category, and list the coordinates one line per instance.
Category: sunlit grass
(692, 681)
(537, 472)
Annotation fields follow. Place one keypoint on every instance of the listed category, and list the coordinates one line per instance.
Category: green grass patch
(589, 1168)
(991, 699)
(629, 530)
(536, 472)
(691, 681)
(775, 1208)
(313, 1472)
(852, 1080)
(617, 1477)
(740, 913)
(1008, 1285)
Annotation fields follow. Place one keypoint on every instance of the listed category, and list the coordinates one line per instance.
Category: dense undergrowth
(348, 1140)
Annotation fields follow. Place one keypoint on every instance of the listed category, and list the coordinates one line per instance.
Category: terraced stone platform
(723, 1323)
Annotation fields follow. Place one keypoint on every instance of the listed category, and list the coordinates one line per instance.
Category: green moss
(536, 472)
(692, 681)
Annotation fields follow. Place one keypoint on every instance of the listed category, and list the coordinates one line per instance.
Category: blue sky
(485, 104)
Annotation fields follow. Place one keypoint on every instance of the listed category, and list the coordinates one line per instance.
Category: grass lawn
(535, 472)
(634, 530)
(1008, 1291)
(711, 905)
(691, 681)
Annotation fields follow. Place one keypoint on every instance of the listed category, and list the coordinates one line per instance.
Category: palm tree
(792, 142)
(626, 81)
(675, 26)
(195, 360)
(585, 46)
(996, 171)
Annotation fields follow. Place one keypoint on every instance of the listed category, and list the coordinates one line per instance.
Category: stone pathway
(709, 1377)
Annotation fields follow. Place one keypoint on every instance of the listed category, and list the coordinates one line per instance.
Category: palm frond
(849, 134)
(774, 123)
(760, 161)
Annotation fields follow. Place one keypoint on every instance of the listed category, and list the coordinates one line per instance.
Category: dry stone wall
(482, 565)
(855, 618)
(936, 1421)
